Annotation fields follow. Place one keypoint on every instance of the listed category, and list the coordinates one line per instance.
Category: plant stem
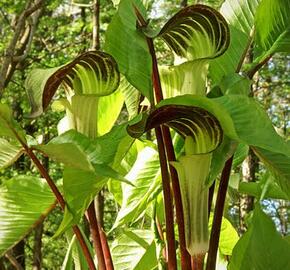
(171, 254)
(218, 214)
(106, 250)
(46, 176)
(185, 257)
(94, 228)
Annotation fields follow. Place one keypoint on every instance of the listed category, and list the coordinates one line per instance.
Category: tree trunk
(249, 168)
(37, 254)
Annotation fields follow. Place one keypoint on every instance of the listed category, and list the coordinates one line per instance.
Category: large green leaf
(145, 175)
(129, 47)
(272, 26)
(86, 167)
(24, 202)
(9, 152)
(279, 165)
(134, 250)
(92, 73)
(261, 247)
(228, 236)
(240, 16)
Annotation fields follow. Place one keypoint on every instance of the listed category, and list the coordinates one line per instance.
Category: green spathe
(192, 172)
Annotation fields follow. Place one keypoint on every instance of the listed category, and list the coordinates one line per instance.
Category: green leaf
(252, 124)
(92, 73)
(279, 165)
(272, 26)
(9, 128)
(128, 45)
(240, 154)
(9, 153)
(261, 247)
(235, 84)
(24, 202)
(145, 175)
(109, 109)
(134, 250)
(228, 236)
(240, 16)
(132, 97)
(69, 154)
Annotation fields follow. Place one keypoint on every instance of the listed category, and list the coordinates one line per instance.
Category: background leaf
(9, 153)
(24, 202)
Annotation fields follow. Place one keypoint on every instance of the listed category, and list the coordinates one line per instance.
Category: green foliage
(24, 202)
(261, 247)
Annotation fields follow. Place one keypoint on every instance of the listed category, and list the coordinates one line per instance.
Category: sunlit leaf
(9, 153)
(240, 14)
(134, 250)
(129, 47)
(272, 26)
(24, 202)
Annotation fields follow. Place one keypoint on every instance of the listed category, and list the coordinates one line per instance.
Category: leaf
(235, 84)
(24, 202)
(132, 97)
(134, 250)
(261, 247)
(109, 109)
(240, 154)
(272, 26)
(240, 16)
(128, 46)
(92, 73)
(9, 153)
(81, 182)
(145, 175)
(228, 236)
(9, 128)
(67, 153)
(279, 165)
(252, 124)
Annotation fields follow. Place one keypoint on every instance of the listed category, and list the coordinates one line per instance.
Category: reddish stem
(170, 237)
(59, 198)
(185, 256)
(106, 250)
(218, 214)
(94, 228)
